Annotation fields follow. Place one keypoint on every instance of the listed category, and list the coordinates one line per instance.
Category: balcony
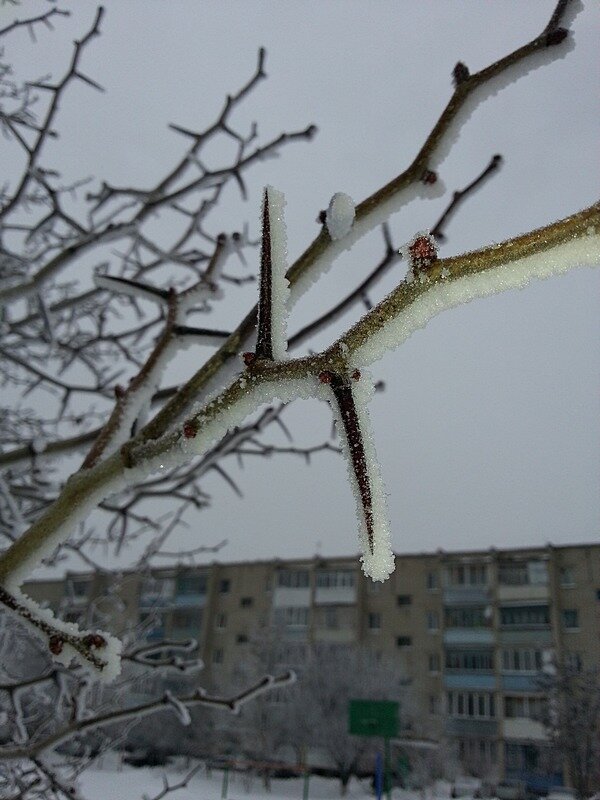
(523, 592)
(468, 636)
(335, 595)
(524, 636)
(288, 596)
(335, 635)
(524, 729)
(191, 600)
(155, 600)
(465, 679)
(467, 726)
(520, 682)
(466, 595)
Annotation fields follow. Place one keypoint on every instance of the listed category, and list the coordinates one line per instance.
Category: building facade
(470, 631)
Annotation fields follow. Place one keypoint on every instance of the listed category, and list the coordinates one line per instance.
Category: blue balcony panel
(466, 595)
(155, 601)
(469, 680)
(537, 638)
(456, 726)
(536, 781)
(155, 635)
(520, 683)
(189, 601)
(465, 636)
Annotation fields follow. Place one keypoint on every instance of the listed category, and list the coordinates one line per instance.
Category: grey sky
(488, 430)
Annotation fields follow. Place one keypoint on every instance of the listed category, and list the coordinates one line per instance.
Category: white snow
(115, 782)
(450, 292)
(110, 654)
(180, 710)
(361, 227)
(378, 564)
(279, 283)
(339, 215)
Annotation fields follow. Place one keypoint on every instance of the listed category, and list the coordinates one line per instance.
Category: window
(528, 757)
(292, 617)
(467, 617)
(570, 618)
(293, 578)
(186, 619)
(153, 588)
(524, 706)
(330, 579)
(404, 599)
(479, 705)
(224, 586)
(434, 662)
(188, 584)
(470, 660)
(332, 622)
(432, 581)
(523, 573)
(433, 621)
(597, 594)
(524, 616)
(433, 704)
(573, 661)
(566, 577)
(221, 621)
(473, 750)
(79, 588)
(217, 656)
(374, 621)
(403, 641)
(241, 638)
(246, 602)
(522, 659)
(467, 575)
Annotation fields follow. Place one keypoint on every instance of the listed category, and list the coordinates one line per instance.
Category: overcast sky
(488, 431)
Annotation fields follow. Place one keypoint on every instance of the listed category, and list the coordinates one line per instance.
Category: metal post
(225, 783)
(386, 769)
(378, 777)
(305, 785)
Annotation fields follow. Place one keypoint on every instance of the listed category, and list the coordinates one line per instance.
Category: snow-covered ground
(129, 783)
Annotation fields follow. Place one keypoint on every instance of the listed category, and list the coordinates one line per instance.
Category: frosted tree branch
(199, 697)
(201, 419)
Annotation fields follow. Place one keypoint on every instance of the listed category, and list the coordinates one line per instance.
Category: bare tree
(88, 348)
(332, 676)
(572, 719)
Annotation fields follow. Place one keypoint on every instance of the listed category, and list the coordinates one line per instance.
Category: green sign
(373, 718)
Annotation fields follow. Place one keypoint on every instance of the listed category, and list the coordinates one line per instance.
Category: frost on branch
(339, 215)
(421, 253)
(179, 709)
(271, 340)
(349, 405)
(409, 308)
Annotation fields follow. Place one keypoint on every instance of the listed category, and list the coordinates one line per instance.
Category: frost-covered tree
(572, 720)
(318, 708)
(101, 290)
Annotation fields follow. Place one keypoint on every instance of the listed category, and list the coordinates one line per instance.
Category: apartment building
(471, 631)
